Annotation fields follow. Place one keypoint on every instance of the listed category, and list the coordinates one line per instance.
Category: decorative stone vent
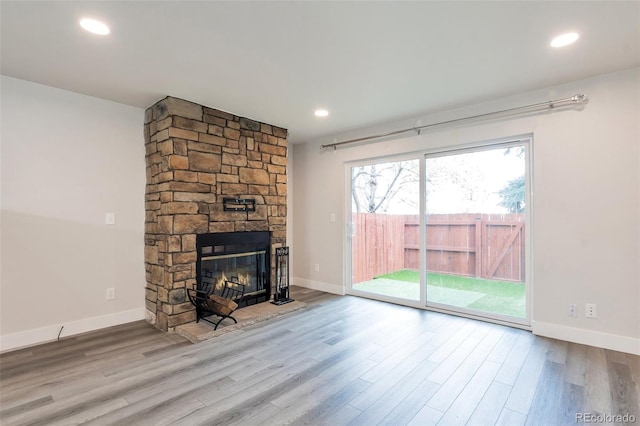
(197, 156)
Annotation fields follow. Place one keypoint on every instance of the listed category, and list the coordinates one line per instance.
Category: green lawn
(501, 297)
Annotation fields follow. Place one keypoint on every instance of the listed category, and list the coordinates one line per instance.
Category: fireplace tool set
(281, 295)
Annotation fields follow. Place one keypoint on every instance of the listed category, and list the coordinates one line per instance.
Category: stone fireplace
(196, 156)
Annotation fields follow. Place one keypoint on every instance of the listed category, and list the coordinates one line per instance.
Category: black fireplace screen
(235, 256)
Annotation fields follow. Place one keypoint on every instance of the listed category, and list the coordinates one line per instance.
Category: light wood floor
(340, 361)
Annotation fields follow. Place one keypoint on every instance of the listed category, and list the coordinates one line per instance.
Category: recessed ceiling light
(321, 113)
(95, 27)
(564, 39)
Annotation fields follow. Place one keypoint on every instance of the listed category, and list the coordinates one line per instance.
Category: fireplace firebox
(242, 257)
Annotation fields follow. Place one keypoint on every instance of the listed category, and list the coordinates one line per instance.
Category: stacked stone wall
(195, 157)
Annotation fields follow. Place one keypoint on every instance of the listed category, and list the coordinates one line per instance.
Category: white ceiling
(276, 62)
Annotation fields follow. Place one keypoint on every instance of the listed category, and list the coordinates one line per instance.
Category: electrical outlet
(590, 310)
(111, 293)
(573, 310)
(110, 218)
(316, 267)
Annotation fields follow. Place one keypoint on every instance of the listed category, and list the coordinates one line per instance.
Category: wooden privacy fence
(487, 246)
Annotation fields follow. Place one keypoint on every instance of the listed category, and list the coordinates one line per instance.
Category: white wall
(66, 160)
(586, 213)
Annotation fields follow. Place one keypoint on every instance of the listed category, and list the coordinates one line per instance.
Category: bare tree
(458, 176)
(373, 187)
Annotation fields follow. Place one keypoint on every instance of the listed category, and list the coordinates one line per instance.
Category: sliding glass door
(385, 226)
(475, 230)
(447, 231)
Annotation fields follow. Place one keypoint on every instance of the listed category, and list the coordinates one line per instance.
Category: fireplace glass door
(244, 268)
(240, 257)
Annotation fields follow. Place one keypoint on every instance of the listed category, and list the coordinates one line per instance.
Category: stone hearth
(196, 156)
(251, 315)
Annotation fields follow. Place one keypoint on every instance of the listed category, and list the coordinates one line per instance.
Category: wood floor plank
(407, 409)
(557, 351)
(18, 356)
(419, 345)
(89, 411)
(165, 348)
(187, 381)
(615, 356)
(450, 389)
(505, 345)
(76, 382)
(324, 365)
(341, 417)
(230, 404)
(511, 418)
(341, 360)
(15, 410)
(56, 362)
(623, 391)
(256, 417)
(270, 372)
(426, 416)
(391, 341)
(86, 415)
(524, 387)
(515, 360)
(465, 404)
(448, 366)
(336, 376)
(316, 392)
(545, 405)
(634, 365)
(325, 411)
(395, 394)
(597, 394)
(399, 373)
(256, 398)
(102, 394)
(571, 403)
(576, 364)
(166, 414)
(452, 341)
(79, 366)
(490, 407)
(175, 402)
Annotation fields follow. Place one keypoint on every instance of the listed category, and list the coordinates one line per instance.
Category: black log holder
(281, 295)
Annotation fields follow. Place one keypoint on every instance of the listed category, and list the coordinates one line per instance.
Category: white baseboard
(49, 333)
(318, 285)
(587, 337)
